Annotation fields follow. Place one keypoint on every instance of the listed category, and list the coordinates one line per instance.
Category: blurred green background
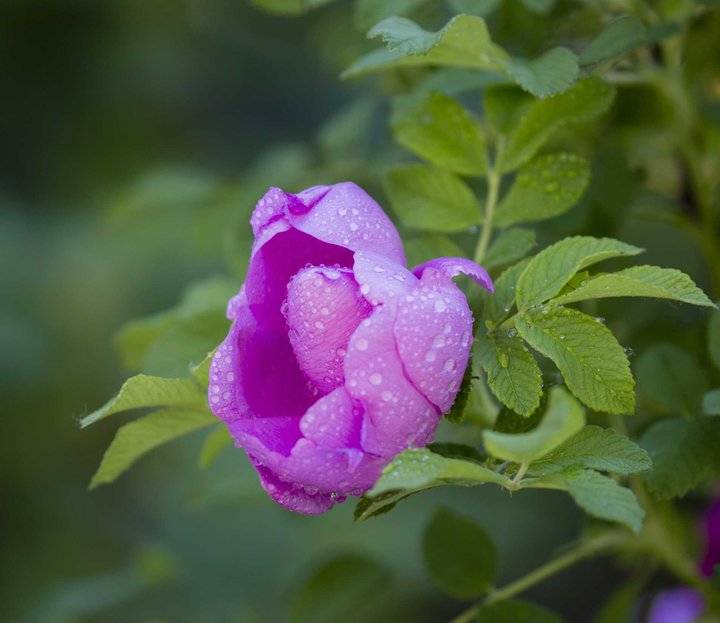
(136, 138)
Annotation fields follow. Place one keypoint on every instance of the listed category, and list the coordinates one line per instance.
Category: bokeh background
(136, 137)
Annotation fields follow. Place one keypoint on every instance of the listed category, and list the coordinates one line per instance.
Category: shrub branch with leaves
(550, 385)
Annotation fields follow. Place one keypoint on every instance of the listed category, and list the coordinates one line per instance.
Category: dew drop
(361, 344)
(375, 378)
(386, 395)
(440, 306)
(430, 356)
(449, 365)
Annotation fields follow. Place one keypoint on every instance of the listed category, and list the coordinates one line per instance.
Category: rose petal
(454, 266)
(434, 336)
(381, 280)
(295, 498)
(397, 416)
(347, 216)
(324, 307)
(679, 605)
(333, 421)
(254, 374)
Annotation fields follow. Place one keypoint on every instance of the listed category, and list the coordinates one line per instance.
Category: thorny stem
(493, 179)
(583, 549)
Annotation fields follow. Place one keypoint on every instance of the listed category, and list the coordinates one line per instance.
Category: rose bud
(338, 356)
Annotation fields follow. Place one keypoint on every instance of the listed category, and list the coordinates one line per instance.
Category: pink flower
(338, 356)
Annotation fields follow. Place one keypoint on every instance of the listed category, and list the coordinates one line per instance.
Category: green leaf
(428, 198)
(430, 246)
(620, 605)
(504, 105)
(402, 35)
(515, 611)
(459, 555)
(419, 469)
(598, 448)
(545, 187)
(671, 379)
(618, 37)
(714, 338)
(513, 374)
(509, 246)
(150, 391)
(137, 438)
(684, 453)
(711, 402)
(650, 281)
(553, 267)
(463, 42)
(497, 306)
(586, 100)
(553, 72)
(181, 334)
(563, 418)
(602, 497)
(289, 7)
(216, 441)
(440, 130)
(457, 411)
(594, 366)
(346, 584)
(201, 371)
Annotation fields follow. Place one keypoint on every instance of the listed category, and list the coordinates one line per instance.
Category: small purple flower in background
(686, 605)
(338, 357)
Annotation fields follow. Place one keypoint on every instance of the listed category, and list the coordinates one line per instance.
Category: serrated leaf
(430, 246)
(215, 442)
(594, 447)
(593, 364)
(553, 267)
(648, 281)
(513, 374)
(671, 379)
(602, 497)
(497, 306)
(563, 418)
(440, 130)
(545, 187)
(619, 36)
(425, 197)
(418, 469)
(345, 584)
(585, 101)
(515, 611)
(457, 411)
(463, 42)
(137, 438)
(714, 338)
(459, 555)
(509, 246)
(150, 391)
(684, 453)
(711, 402)
(553, 72)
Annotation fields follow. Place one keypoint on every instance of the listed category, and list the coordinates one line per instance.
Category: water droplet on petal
(361, 344)
(375, 378)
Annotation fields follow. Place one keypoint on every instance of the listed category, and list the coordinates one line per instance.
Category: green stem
(584, 549)
(493, 177)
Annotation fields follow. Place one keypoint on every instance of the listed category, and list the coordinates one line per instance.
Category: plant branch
(583, 549)
(493, 176)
